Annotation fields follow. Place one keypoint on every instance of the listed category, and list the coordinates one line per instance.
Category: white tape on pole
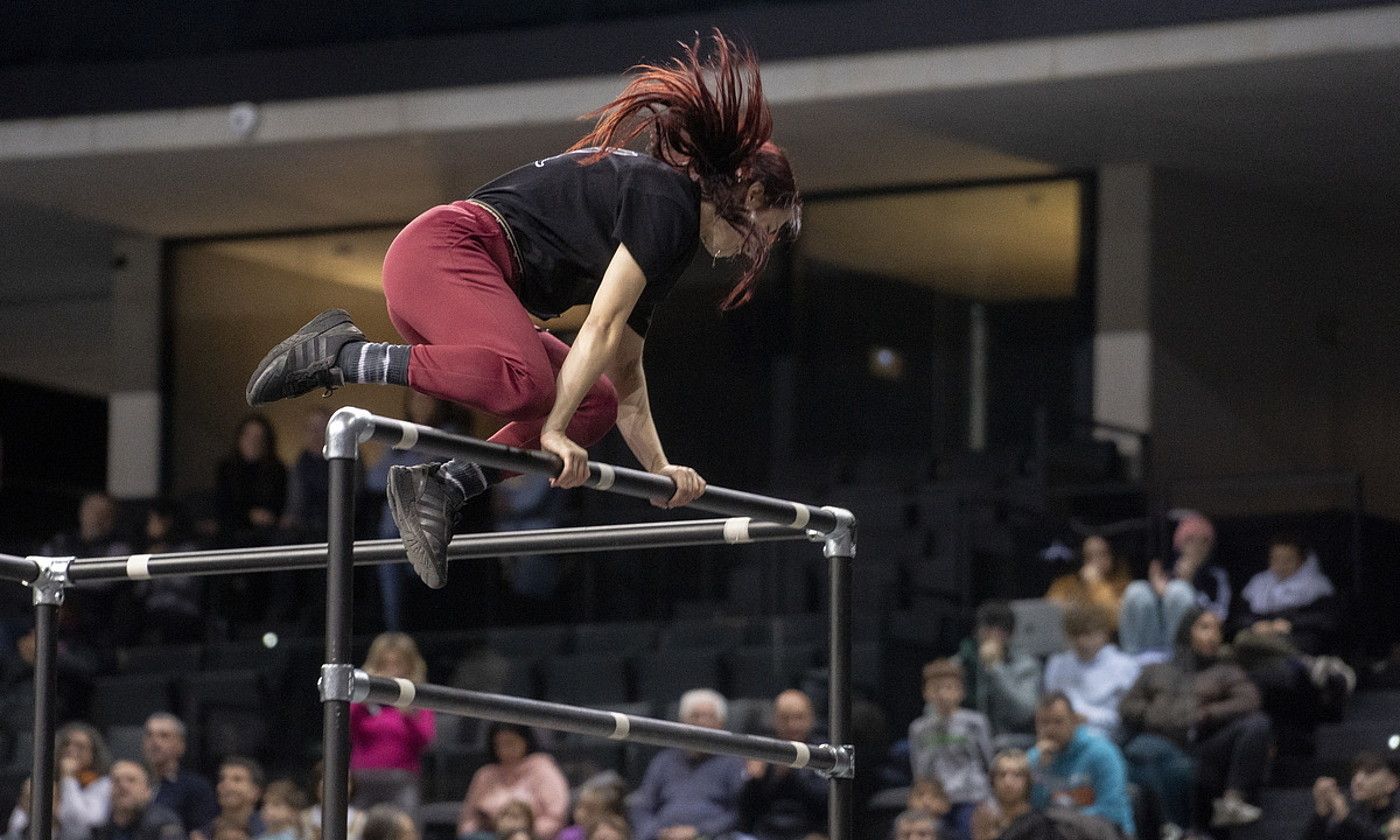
(799, 520)
(804, 754)
(407, 693)
(606, 476)
(736, 529)
(408, 436)
(622, 727)
(138, 567)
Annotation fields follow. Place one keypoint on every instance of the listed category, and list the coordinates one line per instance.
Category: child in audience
(282, 804)
(610, 827)
(513, 817)
(951, 744)
(595, 800)
(926, 794)
(386, 822)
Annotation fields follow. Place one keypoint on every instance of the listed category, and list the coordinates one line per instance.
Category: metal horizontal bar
(18, 569)
(401, 434)
(736, 530)
(613, 725)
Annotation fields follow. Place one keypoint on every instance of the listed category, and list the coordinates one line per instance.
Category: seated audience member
(927, 794)
(281, 811)
(239, 788)
(916, 825)
(1002, 684)
(99, 614)
(1197, 727)
(1291, 605)
(515, 819)
(1152, 609)
(18, 828)
(385, 822)
(518, 771)
(595, 800)
(387, 743)
(685, 794)
(85, 791)
(75, 667)
(1074, 766)
(171, 607)
(778, 802)
(135, 813)
(1101, 579)
(951, 744)
(1372, 812)
(1008, 813)
(183, 791)
(1094, 674)
(610, 827)
(311, 817)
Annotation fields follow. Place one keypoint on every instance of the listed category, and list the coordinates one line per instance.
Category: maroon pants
(447, 279)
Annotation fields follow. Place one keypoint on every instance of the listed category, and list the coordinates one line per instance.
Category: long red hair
(706, 116)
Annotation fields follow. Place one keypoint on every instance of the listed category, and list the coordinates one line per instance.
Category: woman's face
(1205, 635)
(394, 665)
(721, 239)
(252, 442)
(510, 747)
(1098, 554)
(78, 746)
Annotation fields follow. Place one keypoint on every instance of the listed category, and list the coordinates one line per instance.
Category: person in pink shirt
(517, 772)
(387, 743)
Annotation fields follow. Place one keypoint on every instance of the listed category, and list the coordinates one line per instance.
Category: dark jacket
(1315, 624)
(1363, 823)
(157, 822)
(783, 804)
(1185, 700)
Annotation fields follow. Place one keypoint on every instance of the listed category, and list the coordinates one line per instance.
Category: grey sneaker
(308, 360)
(425, 507)
(1228, 811)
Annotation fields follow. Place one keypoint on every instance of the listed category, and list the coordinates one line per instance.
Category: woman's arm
(638, 429)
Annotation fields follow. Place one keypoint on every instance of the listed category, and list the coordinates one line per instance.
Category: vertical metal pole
(45, 682)
(840, 553)
(340, 539)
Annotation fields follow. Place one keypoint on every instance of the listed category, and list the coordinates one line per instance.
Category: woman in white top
(85, 790)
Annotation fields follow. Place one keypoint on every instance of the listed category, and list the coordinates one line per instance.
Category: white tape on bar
(622, 727)
(407, 693)
(736, 530)
(804, 754)
(138, 567)
(408, 436)
(801, 516)
(606, 476)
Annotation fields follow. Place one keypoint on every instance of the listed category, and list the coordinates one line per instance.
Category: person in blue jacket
(1073, 766)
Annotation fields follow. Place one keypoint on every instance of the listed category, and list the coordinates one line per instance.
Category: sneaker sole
(327, 320)
(402, 490)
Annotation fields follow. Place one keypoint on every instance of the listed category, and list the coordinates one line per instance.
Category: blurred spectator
(595, 800)
(387, 743)
(18, 828)
(916, 825)
(98, 615)
(1008, 813)
(385, 822)
(1198, 729)
(74, 678)
(171, 606)
(85, 791)
(96, 535)
(186, 793)
(778, 802)
(311, 817)
(1372, 812)
(1152, 609)
(309, 482)
(685, 794)
(1002, 684)
(1074, 766)
(135, 813)
(951, 744)
(610, 827)
(1093, 673)
(229, 830)
(250, 491)
(517, 771)
(1101, 579)
(515, 819)
(282, 805)
(927, 794)
(523, 503)
(1291, 606)
(240, 787)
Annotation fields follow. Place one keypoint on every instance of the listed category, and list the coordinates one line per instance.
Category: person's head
(162, 520)
(1055, 720)
(995, 619)
(385, 822)
(1097, 551)
(793, 716)
(423, 409)
(1089, 627)
(509, 743)
(240, 784)
(1011, 778)
(283, 802)
(916, 825)
(704, 707)
(84, 745)
(1194, 538)
(395, 655)
(1287, 553)
(163, 741)
(97, 517)
(609, 827)
(927, 794)
(314, 428)
(598, 800)
(1373, 779)
(228, 828)
(1200, 631)
(706, 116)
(255, 439)
(945, 685)
(515, 815)
(131, 787)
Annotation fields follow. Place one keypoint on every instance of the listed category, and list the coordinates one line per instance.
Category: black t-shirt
(567, 221)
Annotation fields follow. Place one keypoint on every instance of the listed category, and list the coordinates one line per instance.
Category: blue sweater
(681, 790)
(1089, 775)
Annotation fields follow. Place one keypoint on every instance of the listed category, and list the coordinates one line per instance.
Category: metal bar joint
(345, 683)
(841, 540)
(52, 580)
(845, 762)
(346, 430)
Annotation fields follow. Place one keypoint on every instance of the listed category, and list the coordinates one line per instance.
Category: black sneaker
(425, 506)
(306, 361)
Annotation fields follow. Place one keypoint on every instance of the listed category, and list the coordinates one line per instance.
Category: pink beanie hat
(1193, 525)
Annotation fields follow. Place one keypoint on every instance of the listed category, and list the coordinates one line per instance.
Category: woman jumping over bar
(597, 225)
